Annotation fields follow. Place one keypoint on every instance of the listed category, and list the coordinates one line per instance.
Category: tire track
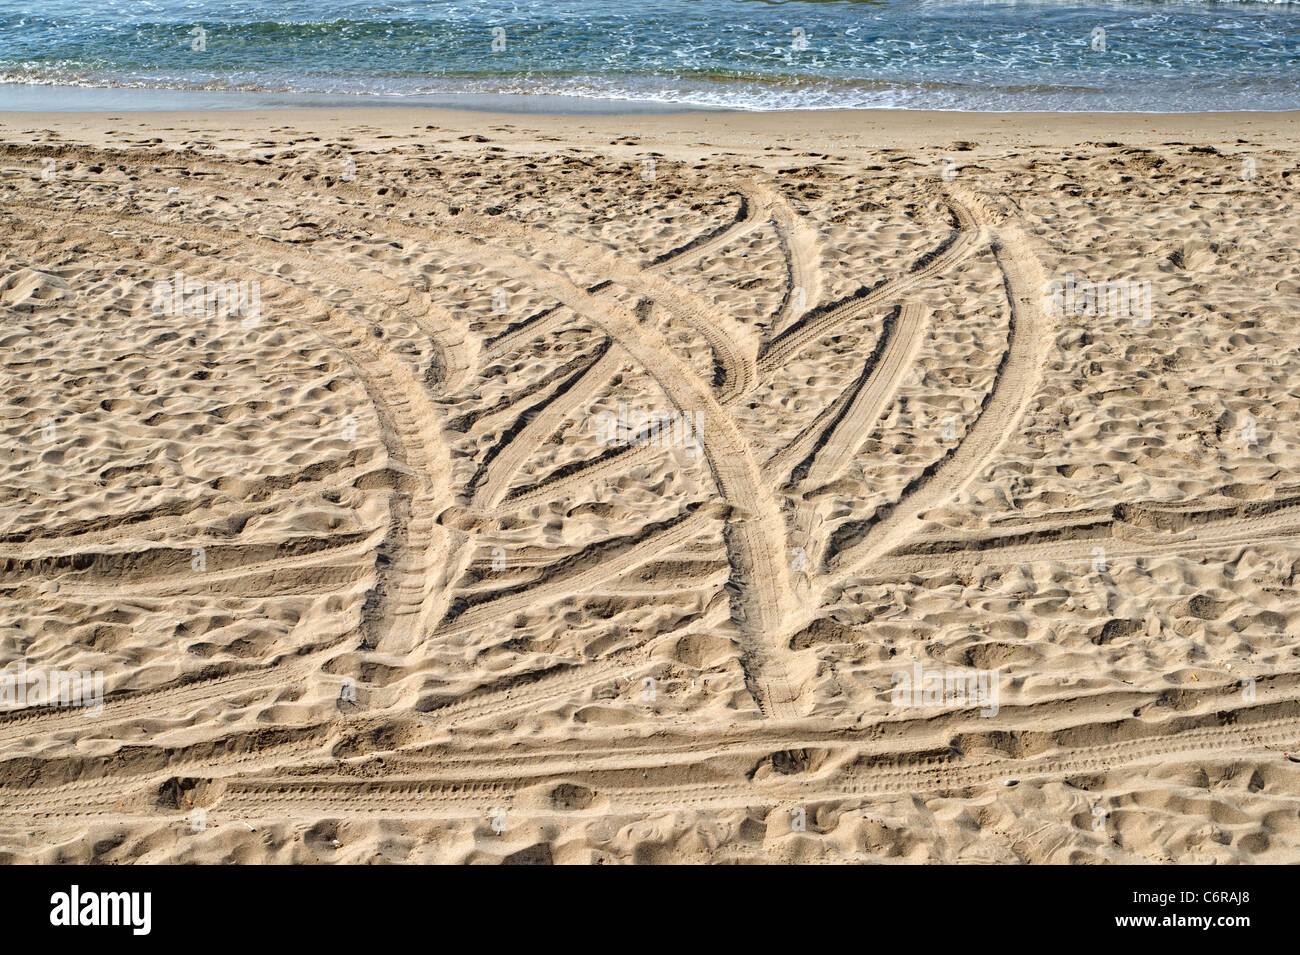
(749, 215)
(866, 772)
(735, 346)
(399, 610)
(846, 429)
(545, 322)
(1156, 521)
(592, 572)
(568, 398)
(1017, 380)
(491, 704)
(802, 247)
(1082, 549)
(186, 694)
(184, 515)
(283, 576)
(967, 239)
(838, 431)
(1124, 712)
(760, 583)
(156, 563)
(941, 775)
(753, 530)
(554, 488)
(425, 777)
(532, 395)
(455, 350)
(139, 770)
(755, 208)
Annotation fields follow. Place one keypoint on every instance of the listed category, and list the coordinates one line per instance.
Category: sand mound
(31, 288)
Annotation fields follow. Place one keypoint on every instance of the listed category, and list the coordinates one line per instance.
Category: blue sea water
(594, 55)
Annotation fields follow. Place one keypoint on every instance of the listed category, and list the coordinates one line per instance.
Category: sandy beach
(407, 485)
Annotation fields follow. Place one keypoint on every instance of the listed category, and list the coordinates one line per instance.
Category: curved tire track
(1017, 380)
(963, 243)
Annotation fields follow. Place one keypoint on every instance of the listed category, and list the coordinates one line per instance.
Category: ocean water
(597, 55)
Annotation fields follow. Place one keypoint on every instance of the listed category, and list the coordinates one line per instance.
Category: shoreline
(53, 98)
(830, 132)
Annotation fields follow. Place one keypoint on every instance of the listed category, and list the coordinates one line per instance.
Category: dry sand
(366, 579)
